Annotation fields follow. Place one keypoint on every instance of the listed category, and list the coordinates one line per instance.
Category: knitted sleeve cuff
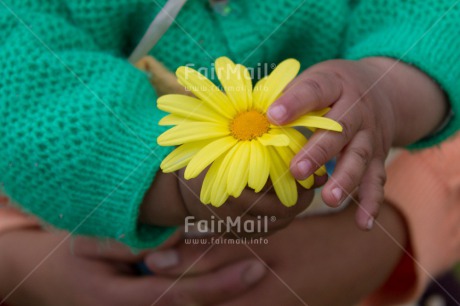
(92, 147)
(78, 123)
(425, 42)
(121, 164)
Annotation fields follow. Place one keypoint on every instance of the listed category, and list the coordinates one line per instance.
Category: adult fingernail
(304, 167)
(337, 193)
(370, 223)
(254, 273)
(277, 113)
(163, 259)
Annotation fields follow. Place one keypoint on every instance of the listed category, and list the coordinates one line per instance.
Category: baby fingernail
(337, 193)
(370, 223)
(163, 259)
(277, 112)
(304, 167)
(254, 273)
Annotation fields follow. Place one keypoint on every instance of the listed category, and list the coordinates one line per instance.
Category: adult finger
(209, 289)
(197, 255)
(309, 91)
(371, 194)
(349, 170)
(104, 249)
(114, 250)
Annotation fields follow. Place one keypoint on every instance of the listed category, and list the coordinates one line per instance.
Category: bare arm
(324, 260)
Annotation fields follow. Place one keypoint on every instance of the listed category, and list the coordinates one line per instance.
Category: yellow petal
(283, 74)
(239, 169)
(231, 79)
(259, 166)
(189, 132)
(174, 120)
(246, 77)
(296, 139)
(219, 192)
(181, 156)
(188, 107)
(261, 83)
(286, 155)
(296, 142)
(308, 182)
(272, 139)
(317, 122)
(259, 89)
(209, 179)
(282, 180)
(321, 171)
(205, 90)
(318, 113)
(207, 155)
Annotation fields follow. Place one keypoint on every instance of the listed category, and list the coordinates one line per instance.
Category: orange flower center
(249, 125)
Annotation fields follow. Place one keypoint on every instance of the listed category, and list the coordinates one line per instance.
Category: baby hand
(380, 102)
(251, 208)
(52, 269)
(171, 199)
(361, 105)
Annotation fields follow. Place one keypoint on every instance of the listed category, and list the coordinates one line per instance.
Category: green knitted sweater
(79, 124)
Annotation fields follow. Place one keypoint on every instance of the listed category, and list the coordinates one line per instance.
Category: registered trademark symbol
(272, 218)
(273, 65)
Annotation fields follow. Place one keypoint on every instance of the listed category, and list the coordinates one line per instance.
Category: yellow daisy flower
(229, 131)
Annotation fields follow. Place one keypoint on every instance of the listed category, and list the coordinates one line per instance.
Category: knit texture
(422, 33)
(79, 124)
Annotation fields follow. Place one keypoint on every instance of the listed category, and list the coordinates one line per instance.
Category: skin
(398, 110)
(380, 103)
(171, 198)
(312, 259)
(84, 272)
(179, 198)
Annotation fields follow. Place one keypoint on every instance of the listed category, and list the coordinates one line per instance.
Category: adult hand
(40, 268)
(320, 260)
